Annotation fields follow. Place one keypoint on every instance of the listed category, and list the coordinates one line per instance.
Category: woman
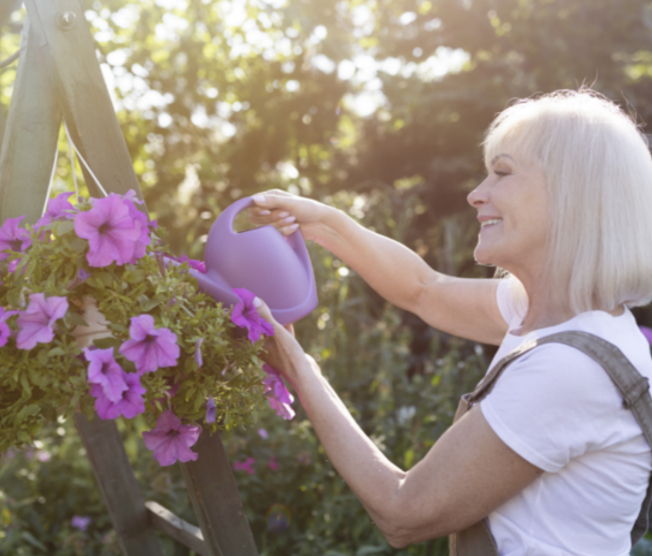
(551, 457)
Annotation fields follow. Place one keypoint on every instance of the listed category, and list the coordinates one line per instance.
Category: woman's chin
(482, 257)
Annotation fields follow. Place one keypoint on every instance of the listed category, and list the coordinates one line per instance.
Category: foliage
(49, 380)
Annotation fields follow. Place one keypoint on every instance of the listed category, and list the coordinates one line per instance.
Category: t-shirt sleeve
(510, 306)
(552, 405)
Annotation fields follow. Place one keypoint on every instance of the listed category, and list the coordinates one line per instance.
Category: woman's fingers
(282, 220)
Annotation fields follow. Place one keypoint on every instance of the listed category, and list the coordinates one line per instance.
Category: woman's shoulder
(566, 373)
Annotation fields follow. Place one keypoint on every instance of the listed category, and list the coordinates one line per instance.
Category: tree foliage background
(378, 107)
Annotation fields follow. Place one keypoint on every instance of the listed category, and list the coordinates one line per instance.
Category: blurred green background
(377, 107)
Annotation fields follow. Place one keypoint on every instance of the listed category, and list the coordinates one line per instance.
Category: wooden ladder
(59, 77)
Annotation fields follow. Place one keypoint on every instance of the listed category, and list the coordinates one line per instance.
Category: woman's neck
(546, 309)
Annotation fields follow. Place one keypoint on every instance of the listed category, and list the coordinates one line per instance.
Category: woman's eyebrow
(500, 156)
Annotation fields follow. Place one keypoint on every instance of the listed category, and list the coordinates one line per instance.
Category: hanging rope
(71, 150)
(12, 58)
(54, 169)
(84, 162)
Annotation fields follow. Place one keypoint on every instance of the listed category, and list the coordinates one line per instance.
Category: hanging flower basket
(92, 319)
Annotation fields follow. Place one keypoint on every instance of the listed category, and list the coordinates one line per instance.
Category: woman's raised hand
(287, 212)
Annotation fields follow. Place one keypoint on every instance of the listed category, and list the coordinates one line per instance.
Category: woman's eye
(501, 173)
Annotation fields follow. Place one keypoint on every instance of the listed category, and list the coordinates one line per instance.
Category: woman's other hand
(287, 212)
(282, 351)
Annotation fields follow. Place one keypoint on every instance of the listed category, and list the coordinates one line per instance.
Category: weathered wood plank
(119, 488)
(216, 500)
(177, 528)
(75, 73)
(30, 137)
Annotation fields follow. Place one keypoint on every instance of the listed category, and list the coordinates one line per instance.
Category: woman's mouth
(490, 222)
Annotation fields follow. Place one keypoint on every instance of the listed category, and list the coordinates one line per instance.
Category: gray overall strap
(633, 387)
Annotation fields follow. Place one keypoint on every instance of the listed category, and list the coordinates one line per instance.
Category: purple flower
(277, 394)
(245, 315)
(35, 324)
(111, 231)
(12, 237)
(192, 263)
(140, 221)
(13, 265)
(131, 401)
(210, 410)
(105, 371)
(58, 208)
(150, 348)
(170, 440)
(81, 522)
(273, 464)
(5, 331)
(198, 358)
(83, 275)
(647, 332)
(246, 465)
(263, 434)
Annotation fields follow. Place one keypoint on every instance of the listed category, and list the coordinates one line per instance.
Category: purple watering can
(275, 268)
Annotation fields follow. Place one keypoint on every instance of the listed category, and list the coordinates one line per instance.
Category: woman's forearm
(371, 476)
(397, 273)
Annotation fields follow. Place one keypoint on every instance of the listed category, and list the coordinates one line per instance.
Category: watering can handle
(225, 220)
(227, 216)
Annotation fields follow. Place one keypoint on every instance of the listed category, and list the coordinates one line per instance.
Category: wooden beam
(216, 500)
(180, 530)
(115, 477)
(69, 52)
(30, 136)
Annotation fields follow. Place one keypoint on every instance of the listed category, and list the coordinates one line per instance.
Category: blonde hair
(599, 174)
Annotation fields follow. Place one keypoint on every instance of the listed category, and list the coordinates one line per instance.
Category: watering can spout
(276, 269)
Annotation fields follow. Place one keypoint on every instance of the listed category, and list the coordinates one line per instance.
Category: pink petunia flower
(105, 371)
(12, 237)
(35, 324)
(245, 315)
(192, 263)
(111, 231)
(129, 405)
(273, 464)
(58, 208)
(210, 410)
(140, 220)
(647, 332)
(246, 465)
(150, 348)
(80, 522)
(5, 331)
(277, 394)
(170, 440)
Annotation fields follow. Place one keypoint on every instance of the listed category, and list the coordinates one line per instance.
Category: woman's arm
(467, 474)
(460, 306)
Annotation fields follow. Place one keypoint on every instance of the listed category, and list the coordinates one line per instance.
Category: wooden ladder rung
(177, 528)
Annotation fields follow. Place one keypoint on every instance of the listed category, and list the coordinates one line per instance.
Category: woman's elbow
(400, 532)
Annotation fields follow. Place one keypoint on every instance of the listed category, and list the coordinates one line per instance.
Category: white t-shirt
(558, 409)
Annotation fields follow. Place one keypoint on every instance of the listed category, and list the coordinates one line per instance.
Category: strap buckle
(635, 393)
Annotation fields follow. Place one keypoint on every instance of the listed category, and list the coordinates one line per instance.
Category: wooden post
(118, 485)
(216, 500)
(30, 138)
(69, 52)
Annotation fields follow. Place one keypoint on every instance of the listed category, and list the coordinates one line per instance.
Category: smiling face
(512, 205)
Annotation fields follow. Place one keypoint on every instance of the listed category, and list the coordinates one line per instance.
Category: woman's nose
(479, 196)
